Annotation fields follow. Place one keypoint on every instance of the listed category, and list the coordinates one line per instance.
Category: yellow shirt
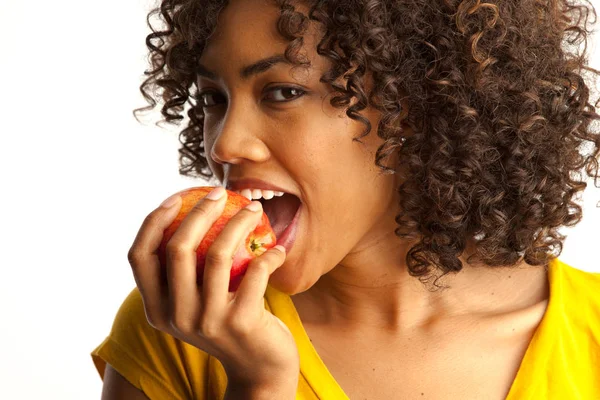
(561, 362)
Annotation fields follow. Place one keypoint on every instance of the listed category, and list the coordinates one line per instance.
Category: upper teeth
(255, 194)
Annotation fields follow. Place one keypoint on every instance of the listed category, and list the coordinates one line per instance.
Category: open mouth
(281, 211)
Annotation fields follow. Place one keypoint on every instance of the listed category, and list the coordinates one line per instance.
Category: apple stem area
(255, 245)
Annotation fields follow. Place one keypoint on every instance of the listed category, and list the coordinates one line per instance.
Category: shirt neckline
(312, 366)
(324, 384)
(542, 336)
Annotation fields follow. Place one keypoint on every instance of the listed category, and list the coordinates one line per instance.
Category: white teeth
(255, 194)
(247, 193)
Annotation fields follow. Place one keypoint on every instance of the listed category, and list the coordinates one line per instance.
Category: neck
(391, 299)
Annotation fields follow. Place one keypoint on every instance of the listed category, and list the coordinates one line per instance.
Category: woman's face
(295, 141)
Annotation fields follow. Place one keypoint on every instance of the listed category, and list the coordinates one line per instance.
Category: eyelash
(301, 93)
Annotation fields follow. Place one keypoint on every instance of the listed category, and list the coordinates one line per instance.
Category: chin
(289, 284)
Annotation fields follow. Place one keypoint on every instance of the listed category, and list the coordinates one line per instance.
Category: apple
(256, 243)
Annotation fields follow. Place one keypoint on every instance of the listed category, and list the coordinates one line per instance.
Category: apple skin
(256, 243)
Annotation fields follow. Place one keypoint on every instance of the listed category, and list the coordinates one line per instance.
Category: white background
(79, 175)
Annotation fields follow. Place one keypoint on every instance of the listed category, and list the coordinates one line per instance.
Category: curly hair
(502, 125)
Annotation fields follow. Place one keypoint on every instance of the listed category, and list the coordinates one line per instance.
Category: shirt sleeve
(158, 364)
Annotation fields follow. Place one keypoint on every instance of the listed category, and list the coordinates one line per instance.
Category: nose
(238, 137)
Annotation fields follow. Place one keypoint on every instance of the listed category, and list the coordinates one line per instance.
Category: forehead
(247, 30)
(246, 26)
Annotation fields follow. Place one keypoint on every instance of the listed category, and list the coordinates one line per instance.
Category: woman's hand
(255, 347)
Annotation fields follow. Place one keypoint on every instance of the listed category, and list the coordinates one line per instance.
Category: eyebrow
(247, 71)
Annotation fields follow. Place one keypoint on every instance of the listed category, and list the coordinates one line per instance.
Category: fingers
(181, 305)
(219, 258)
(250, 295)
(145, 264)
(184, 294)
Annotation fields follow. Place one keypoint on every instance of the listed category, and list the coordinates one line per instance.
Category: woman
(434, 147)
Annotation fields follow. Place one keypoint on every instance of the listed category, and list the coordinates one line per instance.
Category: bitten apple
(256, 243)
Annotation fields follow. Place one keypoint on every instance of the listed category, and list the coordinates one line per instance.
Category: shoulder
(576, 308)
(576, 286)
(571, 334)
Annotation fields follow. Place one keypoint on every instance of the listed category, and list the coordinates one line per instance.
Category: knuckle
(262, 265)
(202, 209)
(173, 247)
(176, 250)
(152, 219)
(133, 256)
(217, 257)
(181, 324)
(240, 325)
(154, 321)
(209, 329)
(260, 268)
(178, 320)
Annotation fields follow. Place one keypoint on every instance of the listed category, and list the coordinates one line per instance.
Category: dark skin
(410, 342)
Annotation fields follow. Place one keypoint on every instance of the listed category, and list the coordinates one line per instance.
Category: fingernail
(254, 206)
(170, 202)
(280, 248)
(216, 193)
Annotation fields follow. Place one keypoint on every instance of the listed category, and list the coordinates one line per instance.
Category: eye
(284, 93)
(208, 99)
(278, 94)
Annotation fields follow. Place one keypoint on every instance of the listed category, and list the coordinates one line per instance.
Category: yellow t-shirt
(561, 362)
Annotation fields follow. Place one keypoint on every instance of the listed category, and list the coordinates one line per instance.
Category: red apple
(256, 243)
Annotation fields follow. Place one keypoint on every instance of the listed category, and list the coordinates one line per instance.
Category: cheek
(313, 138)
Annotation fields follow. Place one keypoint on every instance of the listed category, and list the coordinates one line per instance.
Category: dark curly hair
(497, 103)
